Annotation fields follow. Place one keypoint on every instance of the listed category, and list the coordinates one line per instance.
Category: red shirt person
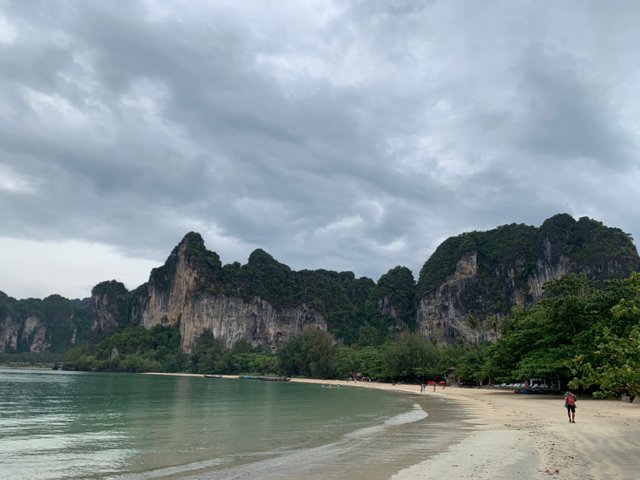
(570, 404)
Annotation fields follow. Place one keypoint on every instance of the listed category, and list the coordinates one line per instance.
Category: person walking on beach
(570, 404)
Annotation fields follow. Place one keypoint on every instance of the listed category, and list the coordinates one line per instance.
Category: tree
(310, 354)
(411, 356)
(209, 355)
(614, 367)
(347, 361)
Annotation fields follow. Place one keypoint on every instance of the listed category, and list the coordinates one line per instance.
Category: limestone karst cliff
(473, 280)
(193, 290)
(464, 291)
(110, 302)
(263, 302)
(53, 324)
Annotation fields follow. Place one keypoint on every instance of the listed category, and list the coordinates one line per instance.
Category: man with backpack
(570, 404)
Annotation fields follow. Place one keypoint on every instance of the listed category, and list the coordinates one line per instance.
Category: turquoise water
(67, 425)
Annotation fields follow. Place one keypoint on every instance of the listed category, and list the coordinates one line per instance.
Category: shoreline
(523, 436)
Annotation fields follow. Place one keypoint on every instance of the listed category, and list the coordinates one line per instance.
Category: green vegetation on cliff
(119, 302)
(205, 262)
(339, 296)
(516, 250)
(584, 333)
(583, 330)
(392, 304)
(65, 322)
(357, 310)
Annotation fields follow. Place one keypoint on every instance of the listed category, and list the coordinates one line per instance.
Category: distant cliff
(54, 324)
(263, 302)
(473, 280)
(193, 289)
(464, 291)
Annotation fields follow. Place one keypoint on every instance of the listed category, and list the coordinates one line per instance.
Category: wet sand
(527, 437)
(530, 437)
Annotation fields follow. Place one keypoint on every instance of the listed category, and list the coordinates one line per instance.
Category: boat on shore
(212, 375)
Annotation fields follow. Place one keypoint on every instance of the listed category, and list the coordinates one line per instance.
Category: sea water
(68, 425)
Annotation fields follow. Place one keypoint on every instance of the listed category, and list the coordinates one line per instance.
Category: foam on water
(414, 415)
(172, 471)
(293, 463)
(132, 427)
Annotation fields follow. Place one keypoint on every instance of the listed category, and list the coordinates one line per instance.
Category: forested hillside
(473, 280)
(196, 313)
(53, 324)
(586, 242)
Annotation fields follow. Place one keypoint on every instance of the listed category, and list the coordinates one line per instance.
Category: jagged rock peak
(560, 221)
(192, 240)
(260, 259)
(109, 287)
(193, 249)
(190, 253)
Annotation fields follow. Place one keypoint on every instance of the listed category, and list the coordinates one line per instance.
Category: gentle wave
(293, 462)
(414, 415)
(165, 472)
(132, 427)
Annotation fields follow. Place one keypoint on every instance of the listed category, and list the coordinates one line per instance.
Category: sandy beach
(530, 437)
(527, 436)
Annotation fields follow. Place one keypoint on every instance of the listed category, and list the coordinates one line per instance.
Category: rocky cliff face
(186, 290)
(509, 266)
(233, 319)
(104, 315)
(35, 335)
(394, 297)
(460, 307)
(171, 288)
(464, 291)
(444, 314)
(109, 300)
(9, 334)
(53, 324)
(29, 335)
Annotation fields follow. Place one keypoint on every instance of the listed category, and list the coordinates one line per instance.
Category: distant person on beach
(570, 404)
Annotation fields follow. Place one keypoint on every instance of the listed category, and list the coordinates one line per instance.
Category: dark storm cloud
(566, 116)
(348, 135)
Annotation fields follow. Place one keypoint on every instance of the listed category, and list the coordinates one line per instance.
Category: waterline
(121, 426)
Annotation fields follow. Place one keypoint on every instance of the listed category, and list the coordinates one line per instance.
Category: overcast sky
(348, 135)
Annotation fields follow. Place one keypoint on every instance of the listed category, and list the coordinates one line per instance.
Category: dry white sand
(529, 437)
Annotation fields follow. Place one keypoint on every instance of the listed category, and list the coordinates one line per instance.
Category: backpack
(571, 400)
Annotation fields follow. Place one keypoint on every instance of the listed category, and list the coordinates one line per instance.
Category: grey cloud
(566, 117)
(354, 139)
